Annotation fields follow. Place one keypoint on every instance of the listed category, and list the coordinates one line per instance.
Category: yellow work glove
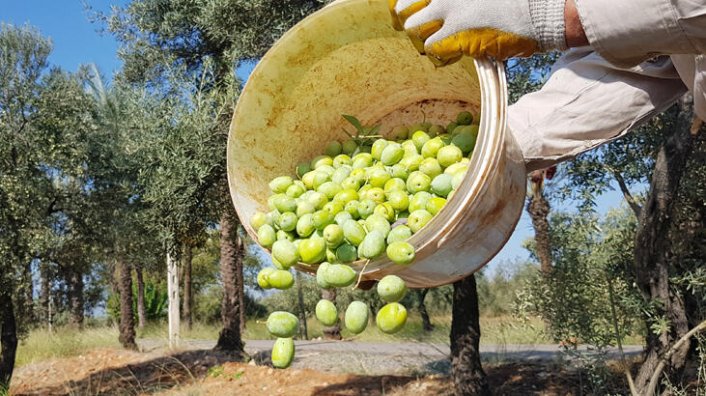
(445, 30)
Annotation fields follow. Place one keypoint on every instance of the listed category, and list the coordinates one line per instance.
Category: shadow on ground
(140, 378)
(365, 385)
(196, 370)
(505, 379)
(443, 366)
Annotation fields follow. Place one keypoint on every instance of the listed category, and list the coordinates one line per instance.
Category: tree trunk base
(8, 341)
(127, 319)
(230, 343)
(466, 369)
(232, 253)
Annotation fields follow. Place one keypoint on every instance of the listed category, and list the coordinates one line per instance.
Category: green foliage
(155, 302)
(119, 216)
(497, 294)
(207, 308)
(629, 162)
(525, 75)
(158, 35)
(286, 300)
(41, 345)
(589, 297)
(186, 156)
(591, 257)
(363, 135)
(207, 305)
(37, 126)
(594, 257)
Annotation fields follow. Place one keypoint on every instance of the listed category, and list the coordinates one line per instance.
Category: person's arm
(628, 32)
(625, 32)
(586, 102)
(573, 29)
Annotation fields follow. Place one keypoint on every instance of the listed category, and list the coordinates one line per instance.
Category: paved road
(377, 357)
(510, 352)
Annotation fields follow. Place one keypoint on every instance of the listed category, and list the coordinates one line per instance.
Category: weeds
(41, 344)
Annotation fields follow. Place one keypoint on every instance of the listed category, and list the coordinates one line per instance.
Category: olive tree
(45, 123)
(23, 59)
(210, 37)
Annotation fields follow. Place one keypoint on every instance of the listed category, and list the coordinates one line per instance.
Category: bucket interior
(347, 59)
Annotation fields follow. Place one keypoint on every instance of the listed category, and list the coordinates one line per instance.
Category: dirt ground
(203, 372)
(506, 379)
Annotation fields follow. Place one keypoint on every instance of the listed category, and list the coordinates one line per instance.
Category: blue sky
(77, 41)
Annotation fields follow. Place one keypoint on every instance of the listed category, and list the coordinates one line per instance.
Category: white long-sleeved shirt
(598, 93)
(626, 33)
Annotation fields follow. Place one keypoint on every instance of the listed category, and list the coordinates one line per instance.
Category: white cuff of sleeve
(548, 21)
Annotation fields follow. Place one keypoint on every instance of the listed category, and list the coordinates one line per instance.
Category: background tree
(657, 244)
(47, 125)
(23, 59)
(421, 295)
(199, 39)
(124, 116)
(665, 153)
(178, 168)
(68, 240)
(525, 76)
(466, 370)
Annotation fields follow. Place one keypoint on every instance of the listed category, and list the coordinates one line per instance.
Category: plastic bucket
(347, 59)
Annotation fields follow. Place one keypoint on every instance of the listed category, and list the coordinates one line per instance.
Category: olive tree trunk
(303, 328)
(466, 370)
(187, 294)
(240, 279)
(27, 288)
(8, 339)
(653, 249)
(44, 293)
(538, 209)
(421, 306)
(74, 281)
(331, 332)
(127, 319)
(173, 299)
(141, 314)
(232, 251)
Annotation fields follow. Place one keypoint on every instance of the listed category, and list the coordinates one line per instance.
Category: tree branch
(618, 337)
(636, 208)
(653, 381)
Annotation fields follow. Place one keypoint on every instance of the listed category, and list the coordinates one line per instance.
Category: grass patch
(494, 330)
(198, 331)
(40, 344)
(501, 330)
(65, 342)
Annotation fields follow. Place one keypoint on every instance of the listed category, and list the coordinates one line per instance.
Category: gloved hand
(445, 30)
